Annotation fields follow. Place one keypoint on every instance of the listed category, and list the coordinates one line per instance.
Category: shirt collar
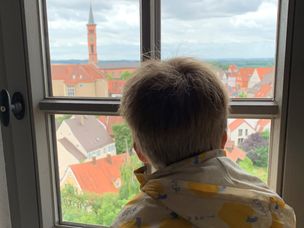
(143, 177)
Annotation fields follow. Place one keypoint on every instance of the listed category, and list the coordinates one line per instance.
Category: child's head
(175, 109)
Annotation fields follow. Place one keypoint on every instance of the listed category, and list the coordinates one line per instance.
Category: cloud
(248, 35)
(198, 9)
(204, 28)
(117, 29)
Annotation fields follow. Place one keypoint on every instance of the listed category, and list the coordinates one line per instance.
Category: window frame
(43, 105)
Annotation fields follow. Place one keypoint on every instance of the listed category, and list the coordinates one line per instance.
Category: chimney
(94, 160)
(109, 158)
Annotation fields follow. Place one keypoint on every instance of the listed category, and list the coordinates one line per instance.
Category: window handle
(8, 105)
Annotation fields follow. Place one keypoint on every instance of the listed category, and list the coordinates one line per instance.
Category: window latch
(8, 105)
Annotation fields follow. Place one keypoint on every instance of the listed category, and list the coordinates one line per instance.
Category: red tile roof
(235, 154)
(232, 68)
(262, 71)
(73, 74)
(264, 91)
(261, 124)
(99, 176)
(243, 77)
(236, 123)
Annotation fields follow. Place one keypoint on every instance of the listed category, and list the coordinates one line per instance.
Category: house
(242, 78)
(115, 87)
(263, 89)
(233, 152)
(263, 125)
(239, 130)
(97, 176)
(81, 138)
(259, 74)
(79, 80)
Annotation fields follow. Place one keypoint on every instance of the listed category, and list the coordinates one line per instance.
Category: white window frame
(71, 91)
(42, 105)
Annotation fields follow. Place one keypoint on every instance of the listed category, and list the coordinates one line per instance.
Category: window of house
(238, 39)
(70, 91)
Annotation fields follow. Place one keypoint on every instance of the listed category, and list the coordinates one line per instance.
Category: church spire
(92, 38)
(91, 16)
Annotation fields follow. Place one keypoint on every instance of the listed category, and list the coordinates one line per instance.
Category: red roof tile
(232, 68)
(99, 176)
(243, 77)
(73, 74)
(236, 154)
(261, 124)
(235, 124)
(264, 91)
(262, 71)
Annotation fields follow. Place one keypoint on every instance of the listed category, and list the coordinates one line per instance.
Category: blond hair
(175, 108)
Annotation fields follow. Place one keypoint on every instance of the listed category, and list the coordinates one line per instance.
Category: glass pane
(248, 145)
(237, 37)
(95, 163)
(94, 47)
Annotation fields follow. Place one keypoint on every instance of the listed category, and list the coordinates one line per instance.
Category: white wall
(4, 207)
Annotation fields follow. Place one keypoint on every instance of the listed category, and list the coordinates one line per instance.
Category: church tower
(91, 27)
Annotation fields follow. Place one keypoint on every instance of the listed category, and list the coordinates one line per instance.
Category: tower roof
(91, 17)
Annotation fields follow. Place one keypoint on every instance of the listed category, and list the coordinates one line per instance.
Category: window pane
(94, 48)
(237, 37)
(248, 145)
(95, 164)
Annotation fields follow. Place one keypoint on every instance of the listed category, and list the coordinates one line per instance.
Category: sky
(206, 29)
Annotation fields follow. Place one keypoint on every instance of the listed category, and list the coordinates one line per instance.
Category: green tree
(249, 167)
(60, 118)
(123, 138)
(242, 95)
(125, 75)
(257, 148)
(109, 76)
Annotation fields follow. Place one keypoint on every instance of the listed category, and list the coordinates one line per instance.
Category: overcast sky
(201, 28)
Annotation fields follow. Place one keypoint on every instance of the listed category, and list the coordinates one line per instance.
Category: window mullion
(150, 29)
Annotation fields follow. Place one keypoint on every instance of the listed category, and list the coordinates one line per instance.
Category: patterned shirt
(207, 190)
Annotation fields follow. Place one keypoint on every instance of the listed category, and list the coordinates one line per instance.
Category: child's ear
(224, 140)
(139, 153)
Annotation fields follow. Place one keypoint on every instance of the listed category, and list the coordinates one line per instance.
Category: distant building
(81, 138)
(92, 79)
(79, 80)
(97, 176)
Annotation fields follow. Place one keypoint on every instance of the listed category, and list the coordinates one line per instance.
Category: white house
(239, 130)
(81, 138)
(254, 79)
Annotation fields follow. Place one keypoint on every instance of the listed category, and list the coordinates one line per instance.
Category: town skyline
(250, 27)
